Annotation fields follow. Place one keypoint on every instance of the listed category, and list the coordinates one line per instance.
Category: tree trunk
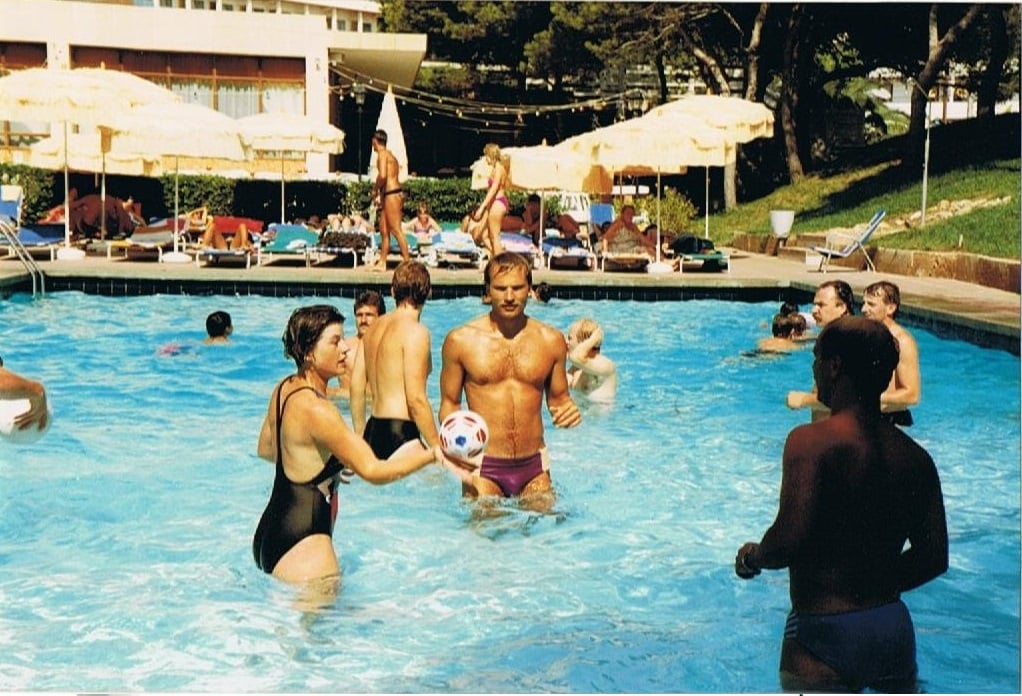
(661, 77)
(939, 48)
(752, 53)
(986, 95)
(790, 95)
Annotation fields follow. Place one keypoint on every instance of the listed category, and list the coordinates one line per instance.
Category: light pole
(359, 90)
(926, 152)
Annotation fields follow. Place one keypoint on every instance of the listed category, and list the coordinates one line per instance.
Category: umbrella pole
(102, 197)
(658, 223)
(282, 199)
(67, 196)
(706, 207)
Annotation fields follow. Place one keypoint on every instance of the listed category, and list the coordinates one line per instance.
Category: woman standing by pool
(310, 443)
(495, 205)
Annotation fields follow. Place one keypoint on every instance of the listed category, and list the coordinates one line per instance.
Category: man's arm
(791, 526)
(357, 387)
(579, 357)
(904, 390)
(563, 410)
(416, 367)
(927, 555)
(452, 376)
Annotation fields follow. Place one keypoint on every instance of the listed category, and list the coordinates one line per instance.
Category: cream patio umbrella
(283, 133)
(739, 120)
(644, 147)
(73, 97)
(177, 130)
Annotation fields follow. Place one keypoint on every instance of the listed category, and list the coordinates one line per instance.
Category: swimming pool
(125, 533)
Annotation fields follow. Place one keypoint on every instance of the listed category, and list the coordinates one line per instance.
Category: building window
(367, 27)
(342, 25)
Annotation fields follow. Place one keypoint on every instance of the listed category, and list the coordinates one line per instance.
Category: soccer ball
(464, 435)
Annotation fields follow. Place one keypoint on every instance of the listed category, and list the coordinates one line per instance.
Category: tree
(938, 50)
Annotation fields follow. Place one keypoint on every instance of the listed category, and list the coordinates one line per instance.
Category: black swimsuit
(385, 435)
(295, 510)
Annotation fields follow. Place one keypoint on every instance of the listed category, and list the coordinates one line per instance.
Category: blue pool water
(125, 533)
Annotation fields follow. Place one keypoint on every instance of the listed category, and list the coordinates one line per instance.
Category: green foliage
(212, 192)
(37, 189)
(676, 211)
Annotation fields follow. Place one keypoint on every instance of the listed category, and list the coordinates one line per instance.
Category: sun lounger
(214, 256)
(342, 244)
(522, 244)
(567, 252)
(294, 241)
(715, 261)
(395, 248)
(452, 247)
(146, 243)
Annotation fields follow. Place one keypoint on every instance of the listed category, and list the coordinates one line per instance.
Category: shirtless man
(368, 307)
(393, 363)
(389, 197)
(833, 299)
(854, 490)
(505, 362)
(881, 302)
(591, 373)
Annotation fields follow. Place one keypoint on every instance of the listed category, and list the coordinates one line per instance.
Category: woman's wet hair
(305, 327)
(844, 293)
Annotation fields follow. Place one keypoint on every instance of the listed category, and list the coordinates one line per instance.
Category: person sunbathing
(212, 238)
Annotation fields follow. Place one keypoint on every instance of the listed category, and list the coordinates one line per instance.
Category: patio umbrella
(645, 147)
(739, 120)
(391, 123)
(72, 97)
(177, 130)
(283, 133)
(546, 168)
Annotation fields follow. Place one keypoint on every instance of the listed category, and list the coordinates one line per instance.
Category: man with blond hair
(591, 373)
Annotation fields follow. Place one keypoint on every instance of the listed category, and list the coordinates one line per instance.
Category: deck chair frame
(853, 243)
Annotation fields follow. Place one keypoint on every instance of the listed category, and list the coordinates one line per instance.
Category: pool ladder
(9, 233)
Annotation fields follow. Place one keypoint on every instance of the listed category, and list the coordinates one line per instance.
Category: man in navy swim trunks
(505, 362)
(393, 362)
(854, 489)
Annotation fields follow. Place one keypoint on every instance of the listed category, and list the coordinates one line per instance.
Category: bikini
(513, 475)
(385, 435)
(865, 648)
(502, 198)
(397, 190)
(295, 510)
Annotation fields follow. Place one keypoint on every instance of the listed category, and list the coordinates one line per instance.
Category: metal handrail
(10, 233)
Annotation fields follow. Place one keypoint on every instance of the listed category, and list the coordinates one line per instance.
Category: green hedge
(448, 199)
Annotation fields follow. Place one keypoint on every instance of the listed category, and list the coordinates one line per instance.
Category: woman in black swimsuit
(312, 446)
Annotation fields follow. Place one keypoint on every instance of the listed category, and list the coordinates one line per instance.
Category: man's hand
(566, 415)
(745, 567)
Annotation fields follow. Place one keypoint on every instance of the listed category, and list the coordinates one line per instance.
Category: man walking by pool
(505, 362)
(389, 198)
(881, 302)
(854, 490)
(833, 299)
(393, 363)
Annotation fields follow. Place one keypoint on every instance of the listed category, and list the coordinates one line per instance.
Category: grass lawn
(851, 198)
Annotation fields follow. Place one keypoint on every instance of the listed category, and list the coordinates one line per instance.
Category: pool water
(125, 533)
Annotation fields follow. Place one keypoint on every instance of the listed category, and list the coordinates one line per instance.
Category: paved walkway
(926, 301)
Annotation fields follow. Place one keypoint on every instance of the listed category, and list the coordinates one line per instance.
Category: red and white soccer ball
(464, 435)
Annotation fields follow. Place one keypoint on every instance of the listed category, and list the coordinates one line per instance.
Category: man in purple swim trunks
(505, 362)
(861, 520)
